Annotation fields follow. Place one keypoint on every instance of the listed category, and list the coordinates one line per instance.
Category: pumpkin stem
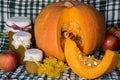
(68, 4)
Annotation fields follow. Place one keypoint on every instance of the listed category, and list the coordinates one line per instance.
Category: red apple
(111, 42)
(116, 31)
(8, 61)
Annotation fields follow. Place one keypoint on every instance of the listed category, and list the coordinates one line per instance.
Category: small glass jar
(16, 24)
(32, 59)
(20, 43)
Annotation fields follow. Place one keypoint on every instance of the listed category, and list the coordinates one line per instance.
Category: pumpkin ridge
(93, 23)
(40, 41)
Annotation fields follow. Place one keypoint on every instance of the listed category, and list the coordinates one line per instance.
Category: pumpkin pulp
(74, 25)
(108, 62)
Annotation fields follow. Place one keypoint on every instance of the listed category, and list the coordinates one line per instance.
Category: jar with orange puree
(16, 24)
(21, 42)
(33, 58)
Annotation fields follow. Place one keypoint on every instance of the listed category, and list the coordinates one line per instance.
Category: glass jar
(20, 43)
(32, 59)
(16, 24)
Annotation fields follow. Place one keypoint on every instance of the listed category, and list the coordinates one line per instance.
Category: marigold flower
(52, 67)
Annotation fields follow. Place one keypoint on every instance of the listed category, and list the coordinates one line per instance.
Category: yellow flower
(52, 67)
(62, 66)
(118, 56)
(50, 60)
(40, 70)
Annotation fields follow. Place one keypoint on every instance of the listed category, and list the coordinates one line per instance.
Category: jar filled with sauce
(20, 43)
(33, 58)
(16, 24)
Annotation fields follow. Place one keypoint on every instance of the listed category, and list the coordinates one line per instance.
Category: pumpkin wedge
(72, 53)
(80, 22)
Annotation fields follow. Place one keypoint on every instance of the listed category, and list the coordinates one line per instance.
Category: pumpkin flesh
(108, 62)
(91, 30)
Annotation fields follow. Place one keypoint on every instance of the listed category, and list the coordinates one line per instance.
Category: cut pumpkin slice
(72, 53)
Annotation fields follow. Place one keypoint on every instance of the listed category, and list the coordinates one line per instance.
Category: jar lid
(18, 23)
(33, 55)
(22, 38)
(22, 35)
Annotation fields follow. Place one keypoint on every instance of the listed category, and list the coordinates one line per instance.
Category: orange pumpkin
(77, 62)
(80, 22)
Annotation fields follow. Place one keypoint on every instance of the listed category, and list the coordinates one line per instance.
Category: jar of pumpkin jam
(16, 24)
(21, 42)
(32, 59)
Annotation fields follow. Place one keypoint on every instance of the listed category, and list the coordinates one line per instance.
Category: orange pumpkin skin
(52, 18)
(107, 64)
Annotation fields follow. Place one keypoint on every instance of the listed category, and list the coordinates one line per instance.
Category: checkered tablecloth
(31, 8)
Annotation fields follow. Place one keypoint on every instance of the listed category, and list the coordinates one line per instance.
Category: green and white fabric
(110, 9)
